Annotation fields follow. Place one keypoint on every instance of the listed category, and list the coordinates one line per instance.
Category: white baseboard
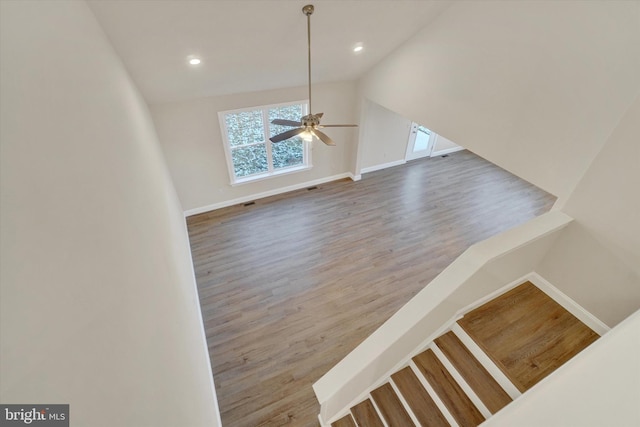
(569, 304)
(245, 199)
(383, 166)
(446, 151)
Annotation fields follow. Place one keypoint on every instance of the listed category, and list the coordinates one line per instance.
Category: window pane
(288, 153)
(422, 139)
(289, 112)
(245, 127)
(249, 160)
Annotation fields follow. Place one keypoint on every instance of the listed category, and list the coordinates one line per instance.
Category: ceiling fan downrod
(309, 125)
(308, 11)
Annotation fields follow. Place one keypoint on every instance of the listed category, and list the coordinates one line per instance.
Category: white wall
(597, 261)
(98, 300)
(607, 199)
(533, 86)
(590, 274)
(190, 136)
(385, 134)
(443, 145)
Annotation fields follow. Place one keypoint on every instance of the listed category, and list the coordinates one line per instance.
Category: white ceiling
(252, 45)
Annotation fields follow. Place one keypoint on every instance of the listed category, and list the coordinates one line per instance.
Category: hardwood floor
(365, 415)
(449, 391)
(527, 334)
(390, 406)
(478, 378)
(346, 421)
(420, 402)
(290, 285)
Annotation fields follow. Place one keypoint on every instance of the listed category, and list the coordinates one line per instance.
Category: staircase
(489, 357)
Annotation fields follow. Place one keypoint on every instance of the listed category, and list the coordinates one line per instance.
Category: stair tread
(420, 402)
(345, 421)
(478, 378)
(391, 407)
(527, 334)
(454, 398)
(365, 415)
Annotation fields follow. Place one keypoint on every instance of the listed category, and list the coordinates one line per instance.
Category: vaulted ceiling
(252, 45)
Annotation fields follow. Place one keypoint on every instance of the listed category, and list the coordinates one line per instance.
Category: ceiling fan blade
(283, 122)
(323, 137)
(286, 135)
(338, 126)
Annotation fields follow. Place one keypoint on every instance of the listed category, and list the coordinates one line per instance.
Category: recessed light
(195, 61)
(358, 47)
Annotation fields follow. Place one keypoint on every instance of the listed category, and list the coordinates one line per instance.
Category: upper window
(250, 154)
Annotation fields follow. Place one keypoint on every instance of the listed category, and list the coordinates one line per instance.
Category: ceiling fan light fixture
(307, 136)
(194, 60)
(309, 125)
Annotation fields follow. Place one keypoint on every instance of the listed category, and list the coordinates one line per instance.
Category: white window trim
(265, 118)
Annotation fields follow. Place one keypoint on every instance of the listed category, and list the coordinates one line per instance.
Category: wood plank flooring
(365, 414)
(346, 421)
(528, 335)
(390, 407)
(290, 285)
(446, 387)
(420, 402)
(478, 378)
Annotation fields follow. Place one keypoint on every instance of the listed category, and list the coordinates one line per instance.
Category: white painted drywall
(98, 304)
(533, 86)
(443, 145)
(597, 260)
(607, 199)
(386, 135)
(599, 387)
(590, 274)
(190, 136)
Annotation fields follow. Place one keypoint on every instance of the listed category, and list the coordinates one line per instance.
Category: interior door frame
(413, 133)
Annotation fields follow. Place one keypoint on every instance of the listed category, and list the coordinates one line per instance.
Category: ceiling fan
(309, 125)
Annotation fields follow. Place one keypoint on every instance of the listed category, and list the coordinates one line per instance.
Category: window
(250, 154)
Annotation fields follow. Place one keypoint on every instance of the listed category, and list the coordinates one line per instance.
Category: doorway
(420, 144)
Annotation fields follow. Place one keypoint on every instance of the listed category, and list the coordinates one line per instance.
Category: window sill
(264, 176)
